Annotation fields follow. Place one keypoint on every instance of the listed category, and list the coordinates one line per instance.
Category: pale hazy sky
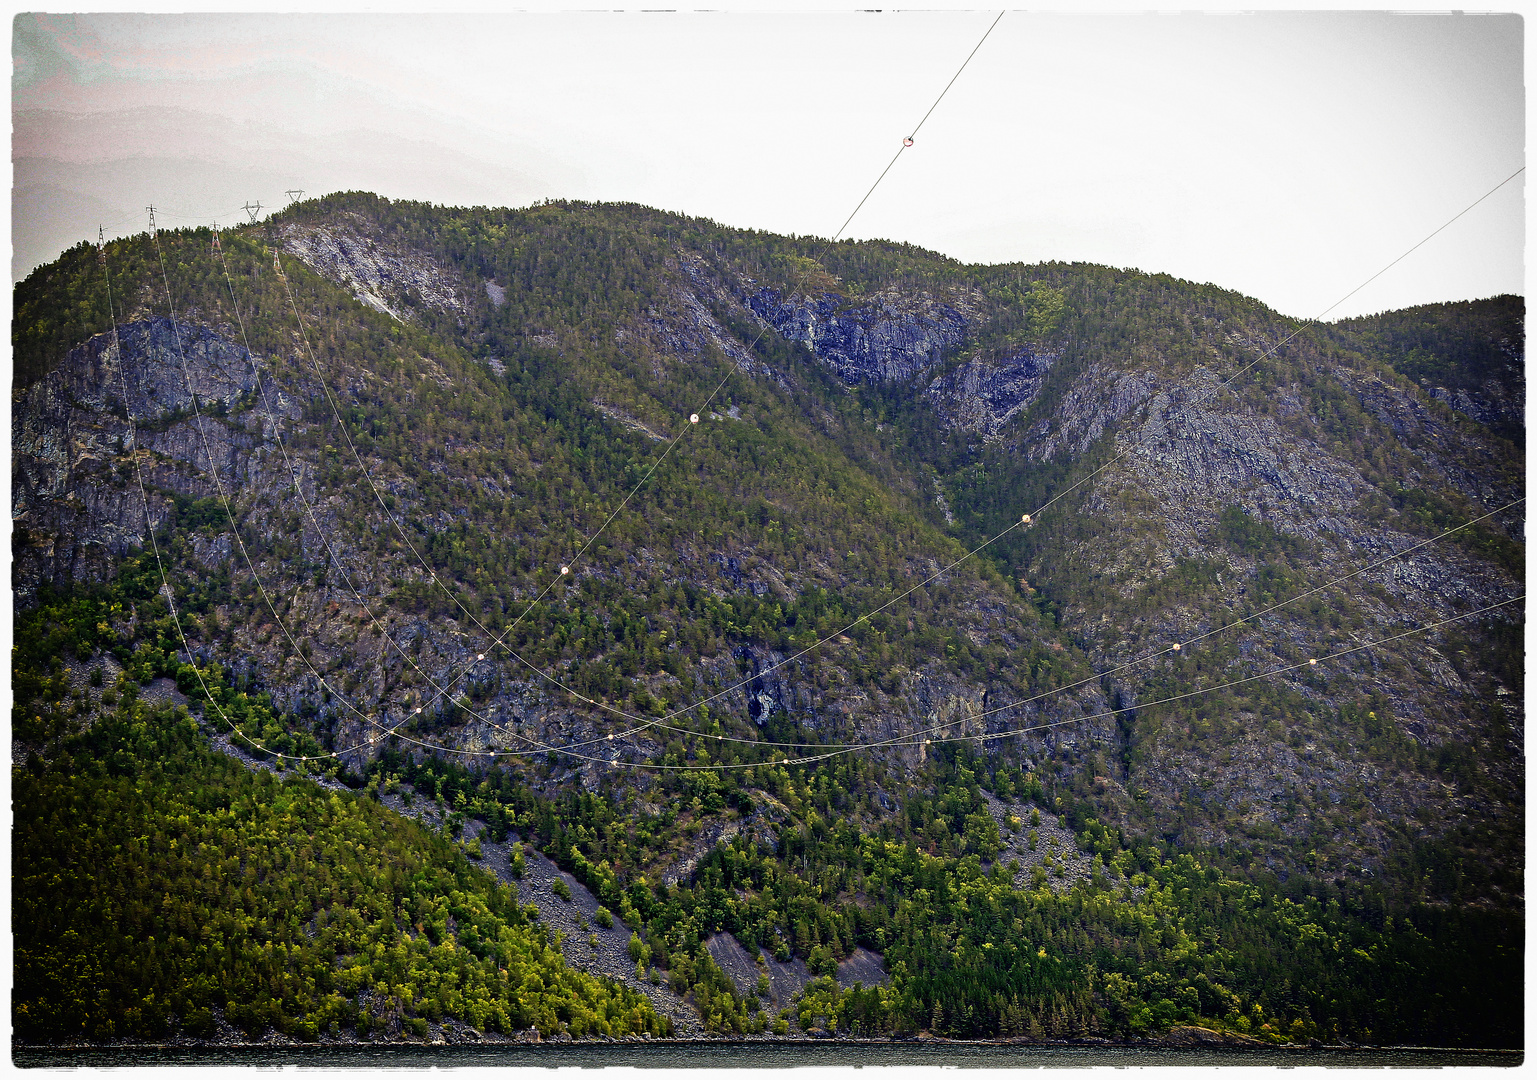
(1288, 156)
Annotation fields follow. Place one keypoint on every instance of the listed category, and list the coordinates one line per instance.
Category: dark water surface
(751, 1055)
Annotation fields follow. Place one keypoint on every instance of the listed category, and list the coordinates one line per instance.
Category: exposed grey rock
(74, 487)
(1052, 848)
(393, 280)
(984, 395)
(1490, 407)
(688, 328)
(862, 967)
(891, 337)
(787, 979)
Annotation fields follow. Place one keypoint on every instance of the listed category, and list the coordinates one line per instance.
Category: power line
(229, 513)
(294, 474)
(498, 640)
(1175, 648)
(224, 500)
(1187, 695)
(1201, 637)
(920, 738)
(218, 485)
(907, 143)
(648, 723)
(832, 751)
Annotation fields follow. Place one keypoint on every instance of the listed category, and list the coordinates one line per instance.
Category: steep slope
(1220, 499)
(158, 879)
(1470, 355)
(438, 407)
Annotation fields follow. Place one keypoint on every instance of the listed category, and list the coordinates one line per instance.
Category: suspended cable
(907, 143)
(1164, 651)
(498, 641)
(1311, 662)
(1043, 507)
(922, 737)
(647, 723)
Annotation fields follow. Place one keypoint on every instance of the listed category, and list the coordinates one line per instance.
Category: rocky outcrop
(891, 337)
(1034, 841)
(1095, 402)
(394, 280)
(1191, 451)
(983, 395)
(1491, 406)
(75, 498)
(1190, 1036)
(788, 978)
(688, 328)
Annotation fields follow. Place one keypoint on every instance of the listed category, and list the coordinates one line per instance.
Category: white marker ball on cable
(565, 569)
(907, 141)
(693, 418)
(482, 656)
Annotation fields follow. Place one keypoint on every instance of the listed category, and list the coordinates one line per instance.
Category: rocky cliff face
(983, 396)
(892, 337)
(1491, 405)
(687, 327)
(386, 276)
(75, 498)
(1183, 449)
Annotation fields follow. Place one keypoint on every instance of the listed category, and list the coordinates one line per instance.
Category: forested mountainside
(695, 559)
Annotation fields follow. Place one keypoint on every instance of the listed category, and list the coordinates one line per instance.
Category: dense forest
(157, 878)
(811, 681)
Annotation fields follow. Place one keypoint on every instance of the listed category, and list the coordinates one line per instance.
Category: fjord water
(757, 1055)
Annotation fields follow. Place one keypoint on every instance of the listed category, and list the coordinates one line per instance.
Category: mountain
(697, 559)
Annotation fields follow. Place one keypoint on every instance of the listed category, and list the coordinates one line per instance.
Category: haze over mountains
(1165, 158)
(773, 715)
(75, 171)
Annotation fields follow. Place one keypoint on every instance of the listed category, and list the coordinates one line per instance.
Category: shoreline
(1234, 1042)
